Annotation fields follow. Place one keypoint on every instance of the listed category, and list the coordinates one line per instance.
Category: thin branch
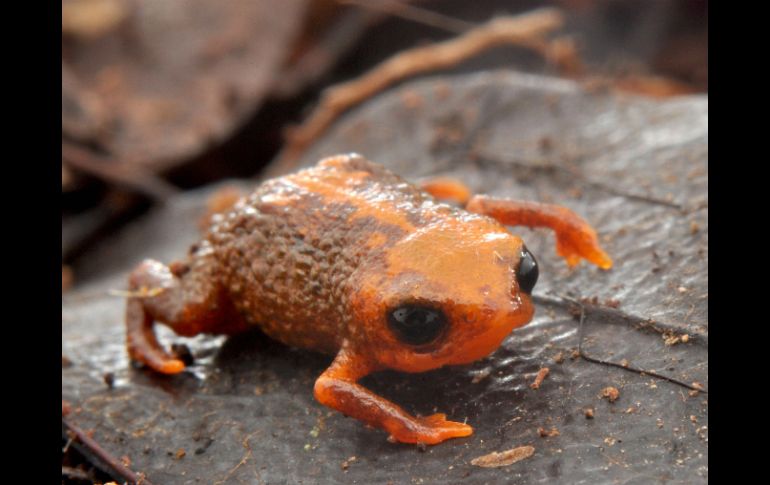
(635, 370)
(578, 176)
(524, 30)
(119, 173)
(415, 14)
(105, 460)
(76, 474)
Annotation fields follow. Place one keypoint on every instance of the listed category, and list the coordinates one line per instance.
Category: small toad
(349, 259)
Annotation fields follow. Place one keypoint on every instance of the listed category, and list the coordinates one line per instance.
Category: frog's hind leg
(575, 238)
(447, 189)
(184, 296)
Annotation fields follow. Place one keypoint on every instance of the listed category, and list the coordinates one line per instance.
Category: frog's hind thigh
(444, 188)
(186, 297)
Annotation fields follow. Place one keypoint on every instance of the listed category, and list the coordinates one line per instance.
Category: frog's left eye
(417, 324)
(527, 272)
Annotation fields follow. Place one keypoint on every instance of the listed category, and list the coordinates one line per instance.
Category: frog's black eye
(417, 324)
(527, 272)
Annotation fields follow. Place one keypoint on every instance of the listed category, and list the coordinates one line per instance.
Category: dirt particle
(541, 375)
(201, 450)
(180, 453)
(547, 433)
(670, 340)
(346, 464)
(697, 385)
(612, 303)
(559, 358)
(610, 393)
(481, 375)
(504, 458)
(109, 379)
(589, 413)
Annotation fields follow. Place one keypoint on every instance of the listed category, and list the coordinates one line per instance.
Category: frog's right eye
(527, 272)
(416, 324)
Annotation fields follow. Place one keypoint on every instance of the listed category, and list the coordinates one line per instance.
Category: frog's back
(288, 250)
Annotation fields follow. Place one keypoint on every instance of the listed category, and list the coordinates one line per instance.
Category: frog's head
(447, 293)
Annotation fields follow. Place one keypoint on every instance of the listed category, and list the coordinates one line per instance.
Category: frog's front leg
(575, 238)
(185, 296)
(337, 389)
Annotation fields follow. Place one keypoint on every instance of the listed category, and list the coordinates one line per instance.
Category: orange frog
(349, 259)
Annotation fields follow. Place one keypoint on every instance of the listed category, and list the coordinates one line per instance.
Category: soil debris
(504, 458)
(610, 393)
(541, 375)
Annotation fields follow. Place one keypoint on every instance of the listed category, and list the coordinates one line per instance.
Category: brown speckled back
(288, 250)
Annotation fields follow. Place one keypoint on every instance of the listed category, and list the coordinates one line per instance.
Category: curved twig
(525, 30)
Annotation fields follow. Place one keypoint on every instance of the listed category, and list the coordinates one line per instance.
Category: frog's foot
(142, 344)
(432, 430)
(337, 389)
(575, 238)
(185, 296)
(581, 242)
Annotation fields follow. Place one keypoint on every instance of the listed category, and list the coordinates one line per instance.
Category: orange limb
(575, 238)
(143, 345)
(185, 298)
(447, 188)
(337, 389)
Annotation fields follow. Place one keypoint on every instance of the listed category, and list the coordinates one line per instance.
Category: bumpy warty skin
(288, 252)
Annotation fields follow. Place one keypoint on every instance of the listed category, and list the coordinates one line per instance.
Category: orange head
(447, 293)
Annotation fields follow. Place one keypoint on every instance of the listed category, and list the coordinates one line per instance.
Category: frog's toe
(171, 366)
(586, 246)
(440, 429)
(143, 345)
(157, 360)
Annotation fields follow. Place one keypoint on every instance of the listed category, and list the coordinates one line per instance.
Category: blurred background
(163, 97)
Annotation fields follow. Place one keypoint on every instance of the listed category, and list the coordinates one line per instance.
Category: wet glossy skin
(322, 259)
